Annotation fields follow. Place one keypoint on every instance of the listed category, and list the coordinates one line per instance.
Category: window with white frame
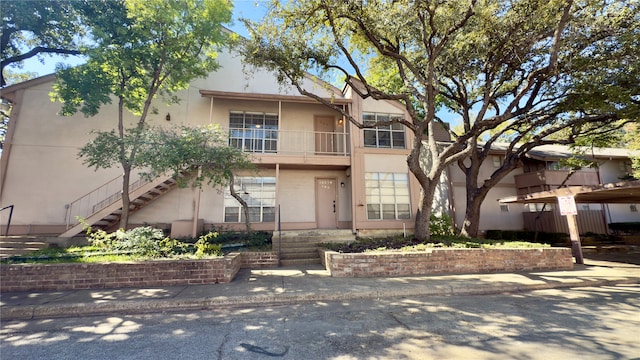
(497, 161)
(383, 136)
(387, 196)
(260, 195)
(253, 131)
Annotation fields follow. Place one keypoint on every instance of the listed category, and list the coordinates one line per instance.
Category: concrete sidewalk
(288, 285)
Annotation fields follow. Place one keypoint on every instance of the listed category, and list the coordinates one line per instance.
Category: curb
(150, 306)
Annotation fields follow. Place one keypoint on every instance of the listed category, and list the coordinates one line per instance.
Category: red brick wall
(264, 259)
(29, 277)
(441, 261)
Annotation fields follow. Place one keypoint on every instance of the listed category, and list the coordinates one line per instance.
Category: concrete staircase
(301, 247)
(20, 245)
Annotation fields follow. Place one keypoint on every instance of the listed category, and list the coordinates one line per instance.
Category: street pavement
(294, 285)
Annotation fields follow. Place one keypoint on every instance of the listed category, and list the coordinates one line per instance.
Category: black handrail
(10, 207)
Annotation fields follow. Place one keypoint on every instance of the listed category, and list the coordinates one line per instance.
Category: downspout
(211, 111)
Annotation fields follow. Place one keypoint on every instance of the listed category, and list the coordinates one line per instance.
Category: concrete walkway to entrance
(288, 285)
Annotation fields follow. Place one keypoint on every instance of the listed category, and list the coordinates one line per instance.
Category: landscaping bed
(401, 256)
(140, 257)
(444, 261)
(148, 273)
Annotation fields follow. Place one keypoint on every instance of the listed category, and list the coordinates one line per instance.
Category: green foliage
(542, 237)
(205, 245)
(145, 241)
(252, 239)
(632, 142)
(441, 225)
(38, 27)
(182, 149)
(626, 227)
(144, 49)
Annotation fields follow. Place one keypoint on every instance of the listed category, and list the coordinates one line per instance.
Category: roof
(9, 92)
(626, 192)
(269, 97)
(557, 152)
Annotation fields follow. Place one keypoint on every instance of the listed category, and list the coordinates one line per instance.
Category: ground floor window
(387, 196)
(260, 195)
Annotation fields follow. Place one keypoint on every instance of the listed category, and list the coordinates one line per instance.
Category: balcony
(293, 147)
(544, 180)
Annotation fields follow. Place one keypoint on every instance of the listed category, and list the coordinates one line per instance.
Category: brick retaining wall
(30, 277)
(442, 261)
(262, 259)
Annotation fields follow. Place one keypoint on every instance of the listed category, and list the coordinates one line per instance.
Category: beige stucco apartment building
(320, 171)
(315, 169)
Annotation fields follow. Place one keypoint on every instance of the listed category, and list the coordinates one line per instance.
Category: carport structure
(626, 192)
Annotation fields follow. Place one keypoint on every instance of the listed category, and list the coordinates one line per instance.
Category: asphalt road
(580, 323)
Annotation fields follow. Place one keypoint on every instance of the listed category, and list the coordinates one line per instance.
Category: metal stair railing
(98, 199)
(10, 207)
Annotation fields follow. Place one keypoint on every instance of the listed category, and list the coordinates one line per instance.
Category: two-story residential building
(315, 170)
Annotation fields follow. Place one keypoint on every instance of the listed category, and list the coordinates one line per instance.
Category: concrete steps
(301, 247)
(20, 245)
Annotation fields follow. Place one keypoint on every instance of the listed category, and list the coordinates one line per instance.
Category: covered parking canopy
(626, 192)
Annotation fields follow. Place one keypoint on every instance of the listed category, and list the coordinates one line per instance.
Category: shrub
(411, 244)
(626, 227)
(206, 246)
(516, 235)
(145, 241)
(441, 225)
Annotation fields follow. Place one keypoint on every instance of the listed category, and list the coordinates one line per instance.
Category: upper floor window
(260, 195)
(253, 131)
(387, 196)
(557, 166)
(384, 136)
(497, 161)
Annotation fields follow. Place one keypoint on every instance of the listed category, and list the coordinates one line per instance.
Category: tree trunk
(471, 223)
(126, 202)
(245, 206)
(422, 231)
(428, 183)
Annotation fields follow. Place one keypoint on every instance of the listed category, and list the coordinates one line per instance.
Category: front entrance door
(326, 203)
(325, 141)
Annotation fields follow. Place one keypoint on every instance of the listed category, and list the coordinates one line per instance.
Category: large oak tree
(526, 68)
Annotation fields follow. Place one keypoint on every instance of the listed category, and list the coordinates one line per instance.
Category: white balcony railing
(290, 142)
